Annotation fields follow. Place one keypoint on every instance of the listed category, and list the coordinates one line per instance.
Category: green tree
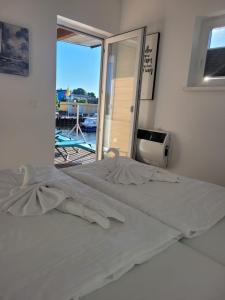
(92, 95)
(79, 91)
(57, 105)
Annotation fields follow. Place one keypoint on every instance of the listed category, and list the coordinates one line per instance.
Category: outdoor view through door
(77, 97)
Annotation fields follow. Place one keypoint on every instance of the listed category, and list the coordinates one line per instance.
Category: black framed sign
(149, 66)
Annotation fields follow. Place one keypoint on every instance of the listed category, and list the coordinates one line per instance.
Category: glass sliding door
(120, 89)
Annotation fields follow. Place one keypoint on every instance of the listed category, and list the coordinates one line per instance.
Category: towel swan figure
(29, 175)
(38, 195)
(126, 171)
(34, 196)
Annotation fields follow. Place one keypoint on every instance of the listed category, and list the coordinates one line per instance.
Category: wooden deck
(75, 156)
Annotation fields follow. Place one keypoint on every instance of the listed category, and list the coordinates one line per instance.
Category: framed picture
(149, 66)
(14, 49)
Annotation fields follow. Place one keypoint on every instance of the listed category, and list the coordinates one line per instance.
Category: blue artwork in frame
(14, 49)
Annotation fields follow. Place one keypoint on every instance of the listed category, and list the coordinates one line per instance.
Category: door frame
(140, 35)
(106, 37)
(74, 26)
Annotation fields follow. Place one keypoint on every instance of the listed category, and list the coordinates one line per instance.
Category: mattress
(190, 206)
(211, 243)
(178, 273)
(58, 256)
(39, 255)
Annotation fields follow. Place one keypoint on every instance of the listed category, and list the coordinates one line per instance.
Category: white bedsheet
(179, 273)
(190, 206)
(58, 257)
(211, 243)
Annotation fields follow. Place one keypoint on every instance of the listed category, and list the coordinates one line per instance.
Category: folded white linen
(85, 198)
(123, 170)
(45, 190)
(192, 206)
(127, 171)
(29, 175)
(71, 207)
(9, 179)
(32, 200)
(32, 196)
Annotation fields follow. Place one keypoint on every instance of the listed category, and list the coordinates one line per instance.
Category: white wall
(27, 104)
(196, 119)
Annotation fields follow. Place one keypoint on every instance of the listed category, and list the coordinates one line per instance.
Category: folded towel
(71, 207)
(39, 194)
(29, 175)
(127, 175)
(126, 171)
(164, 176)
(33, 197)
(84, 198)
(32, 200)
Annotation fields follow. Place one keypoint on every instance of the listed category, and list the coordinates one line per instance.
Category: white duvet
(190, 206)
(57, 256)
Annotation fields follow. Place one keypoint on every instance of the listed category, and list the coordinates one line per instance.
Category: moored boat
(89, 124)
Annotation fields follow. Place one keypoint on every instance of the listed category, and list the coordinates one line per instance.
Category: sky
(218, 37)
(78, 67)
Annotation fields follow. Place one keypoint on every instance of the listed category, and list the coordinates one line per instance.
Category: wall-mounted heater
(153, 147)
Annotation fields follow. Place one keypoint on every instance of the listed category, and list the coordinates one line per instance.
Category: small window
(217, 38)
(208, 53)
(215, 56)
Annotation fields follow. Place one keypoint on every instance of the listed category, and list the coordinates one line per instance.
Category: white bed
(176, 273)
(179, 273)
(210, 243)
(191, 206)
(62, 257)
(57, 256)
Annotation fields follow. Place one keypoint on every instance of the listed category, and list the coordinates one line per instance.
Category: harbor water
(89, 136)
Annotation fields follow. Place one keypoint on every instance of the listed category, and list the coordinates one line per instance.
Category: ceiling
(74, 37)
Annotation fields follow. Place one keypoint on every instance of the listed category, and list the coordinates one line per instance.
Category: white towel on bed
(69, 206)
(130, 172)
(29, 175)
(37, 196)
(85, 199)
(33, 197)
(32, 200)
